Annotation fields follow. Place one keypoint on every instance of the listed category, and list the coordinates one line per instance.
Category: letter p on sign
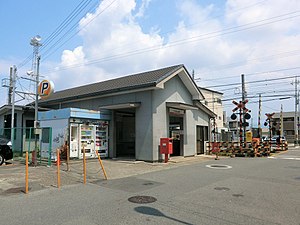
(46, 88)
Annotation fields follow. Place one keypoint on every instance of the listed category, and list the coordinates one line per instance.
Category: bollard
(26, 173)
(101, 164)
(34, 158)
(84, 166)
(58, 168)
(68, 157)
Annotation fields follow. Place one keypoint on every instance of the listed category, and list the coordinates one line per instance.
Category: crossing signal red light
(247, 116)
(233, 116)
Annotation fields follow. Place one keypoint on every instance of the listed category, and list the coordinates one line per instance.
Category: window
(29, 129)
(45, 135)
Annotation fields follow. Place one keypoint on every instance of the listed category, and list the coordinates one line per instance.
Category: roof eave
(99, 94)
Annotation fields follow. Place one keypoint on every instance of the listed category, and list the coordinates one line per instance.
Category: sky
(87, 41)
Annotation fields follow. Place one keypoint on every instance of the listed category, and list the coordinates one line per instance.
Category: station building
(137, 110)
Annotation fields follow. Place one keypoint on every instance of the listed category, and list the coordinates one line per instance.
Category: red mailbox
(166, 146)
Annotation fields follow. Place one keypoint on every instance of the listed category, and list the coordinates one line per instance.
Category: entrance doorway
(125, 133)
(201, 137)
(176, 132)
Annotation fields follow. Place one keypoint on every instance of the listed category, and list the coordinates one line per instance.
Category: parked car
(5, 150)
(264, 138)
(276, 139)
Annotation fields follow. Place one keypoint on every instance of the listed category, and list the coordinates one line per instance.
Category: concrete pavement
(252, 191)
(12, 175)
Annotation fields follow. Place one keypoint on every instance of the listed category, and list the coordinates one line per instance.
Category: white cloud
(114, 43)
(142, 8)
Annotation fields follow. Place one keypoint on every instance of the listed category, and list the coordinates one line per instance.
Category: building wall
(59, 133)
(175, 91)
(288, 125)
(143, 120)
(152, 118)
(214, 103)
(143, 125)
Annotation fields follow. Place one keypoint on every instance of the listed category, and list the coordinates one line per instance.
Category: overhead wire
(186, 40)
(256, 59)
(255, 81)
(82, 5)
(71, 36)
(76, 11)
(63, 25)
(184, 27)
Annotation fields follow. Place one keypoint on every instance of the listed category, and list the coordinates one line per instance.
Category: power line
(77, 10)
(68, 32)
(186, 40)
(82, 5)
(249, 82)
(186, 26)
(256, 59)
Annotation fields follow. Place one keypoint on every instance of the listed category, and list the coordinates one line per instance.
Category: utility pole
(13, 74)
(259, 115)
(296, 112)
(10, 87)
(193, 74)
(281, 126)
(243, 112)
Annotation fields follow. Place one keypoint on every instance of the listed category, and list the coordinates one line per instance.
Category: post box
(166, 146)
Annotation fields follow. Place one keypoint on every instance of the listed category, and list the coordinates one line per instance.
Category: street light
(36, 43)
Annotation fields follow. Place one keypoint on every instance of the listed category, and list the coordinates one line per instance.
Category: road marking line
(291, 158)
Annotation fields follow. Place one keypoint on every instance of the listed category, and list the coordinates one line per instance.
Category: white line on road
(291, 158)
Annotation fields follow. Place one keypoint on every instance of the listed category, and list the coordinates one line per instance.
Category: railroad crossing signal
(269, 121)
(240, 105)
(270, 115)
(269, 118)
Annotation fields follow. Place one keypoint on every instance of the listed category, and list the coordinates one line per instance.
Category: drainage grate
(142, 199)
(222, 188)
(218, 166)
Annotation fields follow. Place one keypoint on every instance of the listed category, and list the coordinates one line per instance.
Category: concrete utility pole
(296, 112)
(281, 126)
(243, 112)
(10, 87)
(13, 71)
(259, 115)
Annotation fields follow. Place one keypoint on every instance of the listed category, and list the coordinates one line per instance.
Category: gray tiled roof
(140, 80)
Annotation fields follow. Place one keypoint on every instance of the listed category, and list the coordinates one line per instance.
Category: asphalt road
(248, 191)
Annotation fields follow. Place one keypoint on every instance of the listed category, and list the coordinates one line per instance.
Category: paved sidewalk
(12, 175)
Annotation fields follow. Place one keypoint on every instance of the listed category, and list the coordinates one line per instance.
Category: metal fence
(37, 142)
